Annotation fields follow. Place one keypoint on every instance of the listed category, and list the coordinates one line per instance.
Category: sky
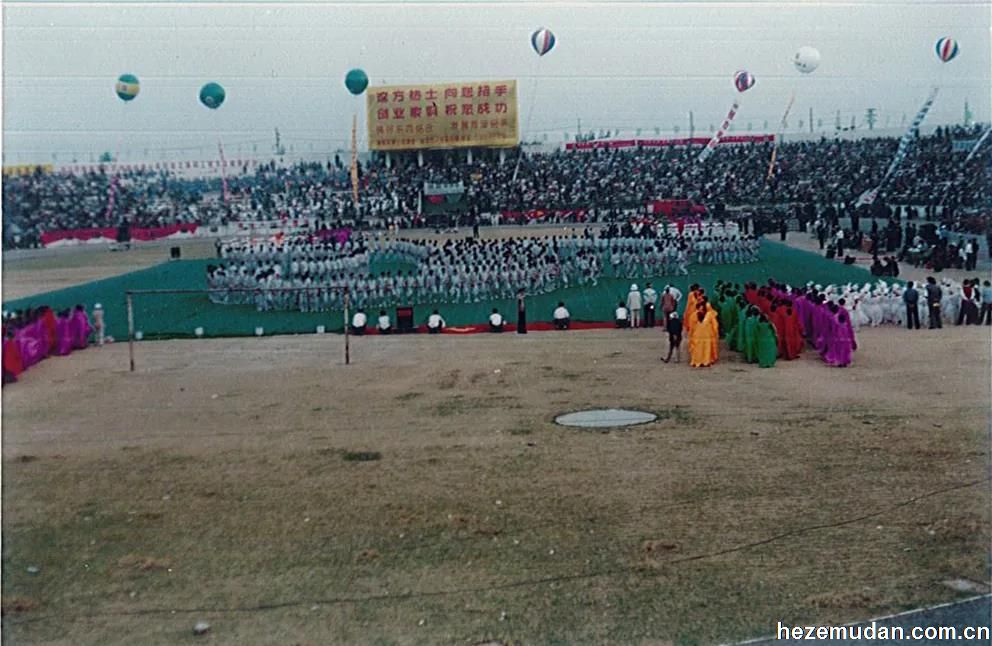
(616, 66)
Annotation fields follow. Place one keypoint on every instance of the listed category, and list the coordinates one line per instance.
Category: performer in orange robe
(794, 341)
(48, 319)
(12, 364)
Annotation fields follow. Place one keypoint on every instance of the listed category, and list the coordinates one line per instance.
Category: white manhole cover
(603, 418)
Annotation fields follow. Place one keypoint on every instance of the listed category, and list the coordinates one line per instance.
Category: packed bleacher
(602, 181)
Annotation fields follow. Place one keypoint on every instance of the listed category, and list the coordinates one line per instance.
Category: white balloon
(806, 59)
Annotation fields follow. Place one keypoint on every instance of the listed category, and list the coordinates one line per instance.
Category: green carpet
(177, 315)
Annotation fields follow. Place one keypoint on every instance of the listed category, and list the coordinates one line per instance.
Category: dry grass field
(423, 494)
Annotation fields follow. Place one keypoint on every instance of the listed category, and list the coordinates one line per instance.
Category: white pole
(130, 330)
(347, 347)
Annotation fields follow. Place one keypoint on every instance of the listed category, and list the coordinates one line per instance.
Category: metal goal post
(130, 294)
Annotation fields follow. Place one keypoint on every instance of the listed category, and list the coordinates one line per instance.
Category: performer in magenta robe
(32, 343)
(63, 333)
(81, 328)
(841, 345)
(849, 326)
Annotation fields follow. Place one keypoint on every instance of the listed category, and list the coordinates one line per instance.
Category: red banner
(142, 234)
(662, 143)
(675, 208)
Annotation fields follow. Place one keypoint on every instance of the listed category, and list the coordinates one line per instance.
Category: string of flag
(781, 133)
(978, 144)
(708, 150)
(223, 169)
(905, 143)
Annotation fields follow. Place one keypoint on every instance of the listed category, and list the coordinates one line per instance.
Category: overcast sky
(623, 65)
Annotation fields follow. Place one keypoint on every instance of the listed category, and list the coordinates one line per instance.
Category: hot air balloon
(743, 80)
(212, 95)
(127, 87)
(356, 81)
(806, 59)
(543, 41)
(947, 49)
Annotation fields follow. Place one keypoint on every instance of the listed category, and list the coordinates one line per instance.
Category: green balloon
(127, 87)
(356, 81)
(212, 95)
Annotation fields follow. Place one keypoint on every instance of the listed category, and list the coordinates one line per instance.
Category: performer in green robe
(766, 343)
(737, 341)
(728, 316)
(750, 343)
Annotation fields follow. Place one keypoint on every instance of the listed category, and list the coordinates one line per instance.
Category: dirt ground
(28, 272)
(423, 494)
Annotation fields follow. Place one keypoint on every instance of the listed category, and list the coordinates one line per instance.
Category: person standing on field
(634, 305)
(911, 298)
(650, 297)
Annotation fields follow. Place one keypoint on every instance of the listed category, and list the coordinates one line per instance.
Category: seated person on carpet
(621, 315)
(384, 326)
(496, 321)
(562, 319)
(358, 322)
(435, 323)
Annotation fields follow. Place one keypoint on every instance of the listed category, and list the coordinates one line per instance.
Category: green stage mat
(178, 315)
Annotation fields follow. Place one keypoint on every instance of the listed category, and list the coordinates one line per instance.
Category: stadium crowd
(603, 182)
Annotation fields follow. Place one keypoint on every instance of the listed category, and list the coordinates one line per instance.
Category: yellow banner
(27, 169)
(443, 115)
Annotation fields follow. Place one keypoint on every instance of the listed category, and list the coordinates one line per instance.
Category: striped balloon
(947, 48)
(743, 80)
(543, 41)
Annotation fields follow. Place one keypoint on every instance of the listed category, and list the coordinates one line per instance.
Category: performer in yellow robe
(689, 316)
(713, 333)
(703, 339)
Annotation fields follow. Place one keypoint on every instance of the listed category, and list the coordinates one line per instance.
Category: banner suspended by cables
(743, 81)
(806, 60)
(356, 81)
(542, 41)
(978, 144)
(946, 50)
(212, 96)
(127, 89)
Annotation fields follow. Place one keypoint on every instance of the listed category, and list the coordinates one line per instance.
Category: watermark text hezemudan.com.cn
(872, 631)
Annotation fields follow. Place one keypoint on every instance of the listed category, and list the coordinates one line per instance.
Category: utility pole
(838, 120)
(578, 129)
(870, 118)
(811, 120)
(692, 125)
